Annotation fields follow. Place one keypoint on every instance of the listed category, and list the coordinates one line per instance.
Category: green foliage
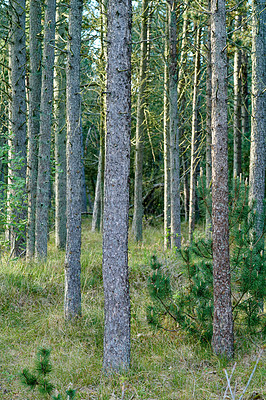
(191, 307)
(38, 378)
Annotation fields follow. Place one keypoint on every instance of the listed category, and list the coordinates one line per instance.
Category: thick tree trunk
(194, 139)
(208, 228)
(167, 203)
(73, 244)
(237, 104)
(258, 119)
(174, 133)
(17, 136)
(60, 131)
(35, 82)
(116, 189)
(140, 128)
(223, 337)
(44, 154)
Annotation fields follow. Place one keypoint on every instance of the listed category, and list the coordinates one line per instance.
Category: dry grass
(164, 365)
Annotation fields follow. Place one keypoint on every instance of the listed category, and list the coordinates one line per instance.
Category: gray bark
(244, 94)
(73, 245)
(194, 139)
(223, 337)
(17, 125)
(116, 189)
(35, 82)
(237, 104)
(44, 153)
(60, 131)
(140, 128)
(208, 229)
(167, 203)
(258, 119)
(174, 133)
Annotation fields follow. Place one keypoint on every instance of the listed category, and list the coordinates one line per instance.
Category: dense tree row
(187, 79)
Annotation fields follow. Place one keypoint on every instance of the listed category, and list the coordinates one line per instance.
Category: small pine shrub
(191, 307)
(38, 379)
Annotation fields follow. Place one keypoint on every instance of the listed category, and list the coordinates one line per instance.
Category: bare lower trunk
(258, 120)
(140, 129)
(44, 154)
(208, 229)
(60, 130)
(35, 82)
(116, 189)
(174, 133)
(96, 216)
(17, 136)
(223, 337)
(237, 105)
(72, 306)
(194, 140)
(167, 203)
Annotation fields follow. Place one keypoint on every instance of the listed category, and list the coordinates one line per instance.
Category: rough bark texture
(174, 133)
(140, 128)
(258, 119)
(223, 337)
(237, 104)
(43, 180)
(17, 125)
(35, 82)
(60, 131)
(167, 203)
(194, 139)
(116, 189)
(73, 244)
(208, 229)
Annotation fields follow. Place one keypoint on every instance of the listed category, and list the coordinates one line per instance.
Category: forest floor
(165, 365)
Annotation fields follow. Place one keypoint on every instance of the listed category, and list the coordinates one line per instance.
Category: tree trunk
(208, 228)
(17, 136)
(244, 94)
(167, 203)
(194, 139)
(35, 82)
(96, 216)
(116, 189)
(60, 131)
(237, 104)
(174, 134)
(223, 337)
(258, 119)
(140, 128)
(73, 243)
(44, 154)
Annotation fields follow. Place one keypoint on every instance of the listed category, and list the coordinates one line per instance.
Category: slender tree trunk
(73, 244)
(258, 119)
(96, 216)
(223, 337)
(116, 189)
(44, 154)
(174, 134)
(167, 203)
(35, 82)
(140, 129)
(208, 229)
(60, 131)
(237, 104)
(194, 139)
(244, 94)
(17, 124)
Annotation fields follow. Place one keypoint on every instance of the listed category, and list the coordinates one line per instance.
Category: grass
(164, 365)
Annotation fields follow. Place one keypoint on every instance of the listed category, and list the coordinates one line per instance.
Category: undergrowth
(165, 365)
